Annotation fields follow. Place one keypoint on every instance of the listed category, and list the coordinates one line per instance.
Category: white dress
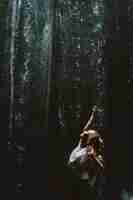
(77, 160)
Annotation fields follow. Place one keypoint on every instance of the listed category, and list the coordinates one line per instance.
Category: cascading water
(12, 57)
(31, 55)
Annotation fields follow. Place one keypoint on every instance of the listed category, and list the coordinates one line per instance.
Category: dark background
(66, 58)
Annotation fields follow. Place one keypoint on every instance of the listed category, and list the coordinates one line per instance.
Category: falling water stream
(12, 57)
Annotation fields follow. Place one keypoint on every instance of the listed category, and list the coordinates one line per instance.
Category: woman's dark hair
(96, 143)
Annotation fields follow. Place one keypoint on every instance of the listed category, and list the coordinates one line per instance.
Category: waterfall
(15, 6)
(12, 57)
(50, 28)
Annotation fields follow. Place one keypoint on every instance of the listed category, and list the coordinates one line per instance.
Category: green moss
(3, 7)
